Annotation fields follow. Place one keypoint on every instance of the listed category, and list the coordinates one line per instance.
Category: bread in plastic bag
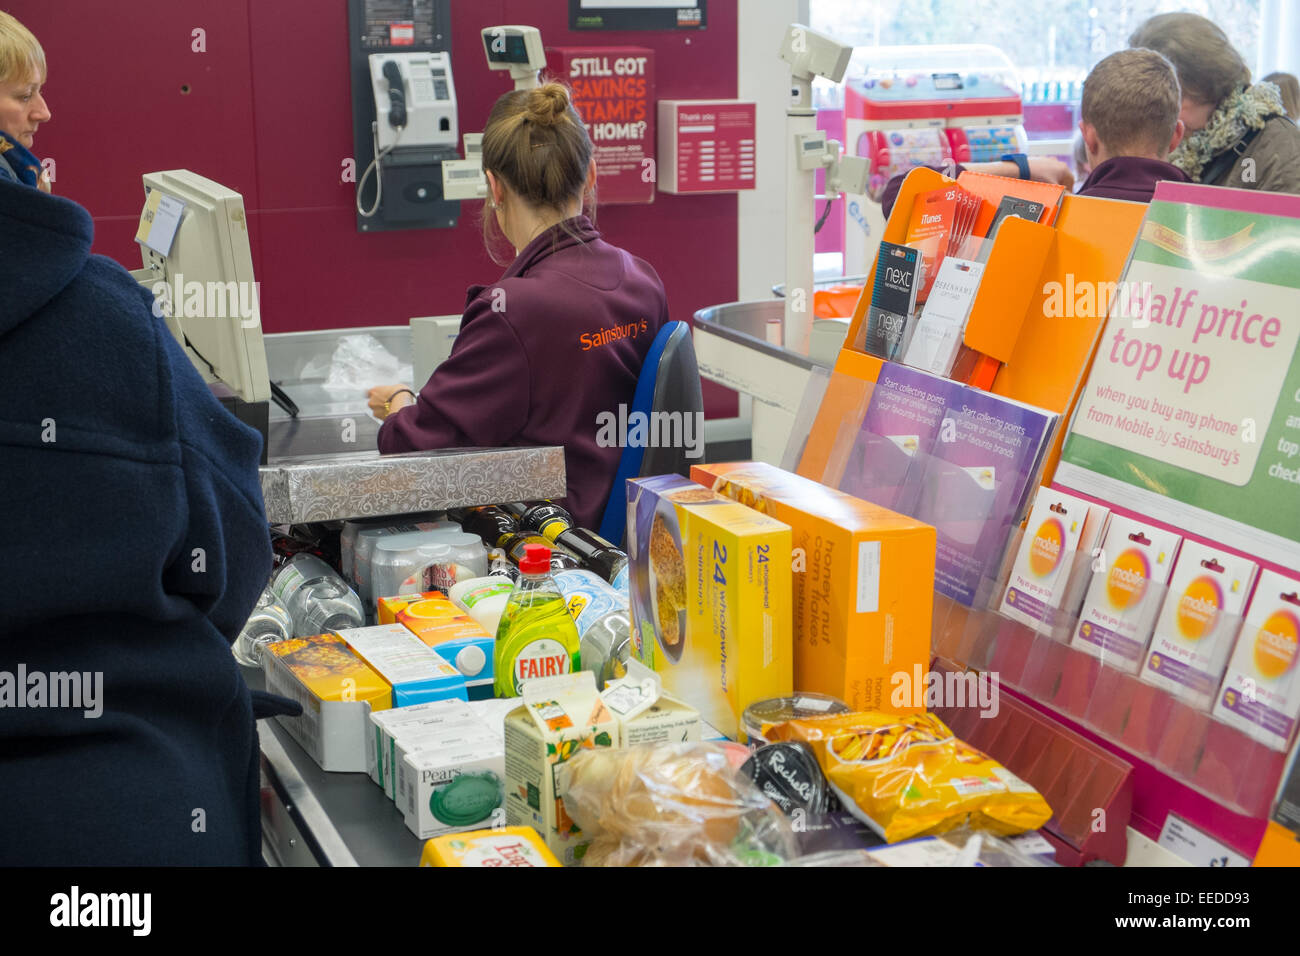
(907, 776)
(674, 805)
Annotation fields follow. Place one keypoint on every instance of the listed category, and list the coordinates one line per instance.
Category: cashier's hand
(43, 182)
(383, 403)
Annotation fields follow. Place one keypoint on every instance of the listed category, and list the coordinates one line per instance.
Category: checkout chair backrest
(669, 382)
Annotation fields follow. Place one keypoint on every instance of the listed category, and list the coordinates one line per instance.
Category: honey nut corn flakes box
(337, 691)
(710, 594)
(863, 587)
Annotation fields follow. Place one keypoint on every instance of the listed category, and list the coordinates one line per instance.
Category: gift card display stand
(1032, 318)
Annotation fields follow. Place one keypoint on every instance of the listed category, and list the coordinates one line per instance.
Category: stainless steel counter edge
(711, 320)
(311, 823)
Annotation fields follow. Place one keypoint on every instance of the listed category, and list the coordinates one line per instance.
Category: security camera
(517, 49)
(810, 54)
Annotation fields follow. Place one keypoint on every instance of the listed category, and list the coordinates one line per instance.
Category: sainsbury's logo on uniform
(594, 340)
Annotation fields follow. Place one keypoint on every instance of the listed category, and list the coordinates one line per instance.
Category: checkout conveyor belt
(314, 818)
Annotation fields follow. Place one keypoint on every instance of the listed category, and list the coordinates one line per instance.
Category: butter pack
(506, 847)
(862, 586)
(337, 691)
(710, 594)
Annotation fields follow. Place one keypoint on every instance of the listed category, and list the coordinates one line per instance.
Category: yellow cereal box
(863, 583)
(337, 690)
(710, 594)
(508, 846)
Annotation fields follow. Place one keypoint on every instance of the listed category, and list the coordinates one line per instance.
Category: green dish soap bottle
(537, 636)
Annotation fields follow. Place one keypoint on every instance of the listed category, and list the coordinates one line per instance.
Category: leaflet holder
(1083, 784)
(1045, 358)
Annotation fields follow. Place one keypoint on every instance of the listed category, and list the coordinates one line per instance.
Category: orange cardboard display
(1045, 359)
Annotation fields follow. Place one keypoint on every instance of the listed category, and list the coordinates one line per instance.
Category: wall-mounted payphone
(404, 113)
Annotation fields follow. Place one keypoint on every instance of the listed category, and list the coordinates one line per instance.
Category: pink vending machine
(908, 106)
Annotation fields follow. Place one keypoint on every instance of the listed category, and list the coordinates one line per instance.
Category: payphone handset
(415, 100)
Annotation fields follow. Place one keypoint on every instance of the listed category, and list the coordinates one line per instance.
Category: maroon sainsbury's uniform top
(540, 355)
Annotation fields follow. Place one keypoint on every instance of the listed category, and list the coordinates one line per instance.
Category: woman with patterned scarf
(1237, 134)
(22, 107)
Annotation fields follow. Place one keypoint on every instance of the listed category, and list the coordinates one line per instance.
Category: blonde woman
(22, 104)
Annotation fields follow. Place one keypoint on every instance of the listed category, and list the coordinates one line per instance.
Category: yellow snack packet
(908, 776)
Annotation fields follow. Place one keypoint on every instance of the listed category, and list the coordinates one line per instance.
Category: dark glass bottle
(514, 545)
(595, 552)
(489, 522)
(545, 517)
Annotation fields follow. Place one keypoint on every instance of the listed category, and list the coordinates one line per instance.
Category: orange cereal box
(863, 582)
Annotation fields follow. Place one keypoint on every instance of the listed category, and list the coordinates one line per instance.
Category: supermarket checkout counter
(323, 466)
(314, 818)
(739, 345)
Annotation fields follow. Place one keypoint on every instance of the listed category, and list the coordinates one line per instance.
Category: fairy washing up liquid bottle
(537, 636)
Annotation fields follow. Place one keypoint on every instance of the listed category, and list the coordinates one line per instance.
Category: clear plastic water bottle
(316, 598)
(268, 623)
(600, 612)
(606, 645)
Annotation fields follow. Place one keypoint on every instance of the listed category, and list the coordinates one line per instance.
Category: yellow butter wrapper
(509, 846)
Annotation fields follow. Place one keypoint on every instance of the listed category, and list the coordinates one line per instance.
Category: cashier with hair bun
(561, 336)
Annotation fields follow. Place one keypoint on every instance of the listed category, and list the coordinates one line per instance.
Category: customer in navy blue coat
(561, 337)
(133, 547)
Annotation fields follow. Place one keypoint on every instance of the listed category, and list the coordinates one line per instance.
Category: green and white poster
(1191, 413)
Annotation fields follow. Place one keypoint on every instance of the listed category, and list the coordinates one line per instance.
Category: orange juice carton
(863, 583)
(509, 846)
(1041, 591)
(337, 691)
(558, 716)
(1199, 622)
(709, 591)
(646, 715)
(1261, 692)
(417, 673)
(457, 637)
(1130, 574)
